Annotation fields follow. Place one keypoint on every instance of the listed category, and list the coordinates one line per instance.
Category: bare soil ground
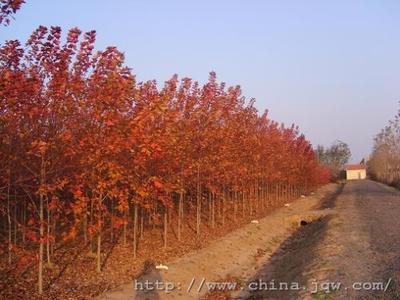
(236, 256)
(347, 248)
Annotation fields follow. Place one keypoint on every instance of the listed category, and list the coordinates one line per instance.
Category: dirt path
(350, 254)
(238, 255)
(349, 246)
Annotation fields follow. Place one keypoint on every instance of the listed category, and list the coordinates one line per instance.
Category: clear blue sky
(332, 67)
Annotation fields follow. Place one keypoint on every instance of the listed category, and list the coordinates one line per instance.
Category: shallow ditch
(287, 265)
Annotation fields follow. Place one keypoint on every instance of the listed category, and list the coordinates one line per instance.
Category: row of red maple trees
(86, 150)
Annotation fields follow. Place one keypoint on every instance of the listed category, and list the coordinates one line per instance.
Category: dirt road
(353, 253)
(349, 245)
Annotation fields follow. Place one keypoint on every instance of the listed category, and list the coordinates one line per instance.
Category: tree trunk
(125, 226)
(41, 228)
(15, 220)
(235, 206)
(48, 233)
(112, 221)
(198, 206)
(180, 215)
(99, 248)
(99, 225)
(223, 207)
(165, 226)
(91, 223)
(217, 201)
(53, 228)
(243, 204)
(85, 221)
(23, 223)
(142, 216)
(9, 226)
(212, 210)
(250, 199)
(135, 225)
(41, 233)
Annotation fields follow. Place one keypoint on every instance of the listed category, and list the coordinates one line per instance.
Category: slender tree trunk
(257, 198)
(180, 215)
(235, 206)
(287, 192)
(142, 216)
(243, 204)
(41, 232)
(135, 230)
(85, 221)
(99, 248)
(9, 226)
(218, 206)
(165, 226)
(125, 226)
(48, 233)
(99, 225)
(153, 221)
(41, 228)
(15, 221)
(209, 207)
(198, 206)
(212, 210)
(99, 236)
(169, 216)
(250, 202)
(91, 223)
(23, 223)
(265, 197)
(53, 228)
(223, 207)
(112, 221)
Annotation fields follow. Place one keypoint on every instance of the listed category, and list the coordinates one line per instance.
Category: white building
(356, 172)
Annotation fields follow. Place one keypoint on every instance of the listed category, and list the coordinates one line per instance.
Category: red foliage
(79, 134)
(8, 8)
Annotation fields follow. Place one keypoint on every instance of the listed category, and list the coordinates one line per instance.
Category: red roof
(355, 167)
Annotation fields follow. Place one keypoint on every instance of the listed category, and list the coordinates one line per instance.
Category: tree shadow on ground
(328, 201)
(286, 268)
(145, 284)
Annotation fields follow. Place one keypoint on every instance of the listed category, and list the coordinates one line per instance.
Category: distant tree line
(384, 164)
(334, 157)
